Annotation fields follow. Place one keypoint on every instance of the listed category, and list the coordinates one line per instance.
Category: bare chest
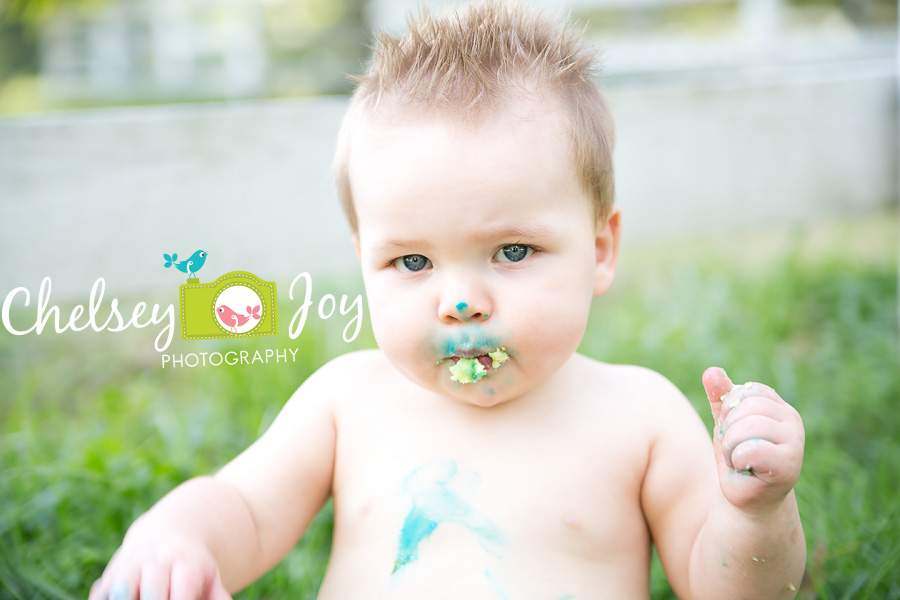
(502, 503)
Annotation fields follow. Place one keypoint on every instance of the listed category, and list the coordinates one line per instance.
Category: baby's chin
(483, 396)
(460, 378)
(491, 390)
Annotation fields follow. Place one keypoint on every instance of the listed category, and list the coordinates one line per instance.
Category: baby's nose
(464, 310)
(464, 296)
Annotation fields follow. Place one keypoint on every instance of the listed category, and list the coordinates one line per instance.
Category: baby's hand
(758, 441)
(160, 567)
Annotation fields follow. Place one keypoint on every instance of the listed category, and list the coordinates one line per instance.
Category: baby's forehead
(419, 161)
(392, 121)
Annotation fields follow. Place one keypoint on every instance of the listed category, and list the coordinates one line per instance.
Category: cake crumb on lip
(471, 369)
(467, 370)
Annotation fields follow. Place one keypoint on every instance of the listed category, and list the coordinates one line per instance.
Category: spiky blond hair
(479, 58)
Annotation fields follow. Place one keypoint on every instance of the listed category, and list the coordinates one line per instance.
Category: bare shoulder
(632, 383)
(345, 374)
(358, 360)
(667, 419)
(347, 383)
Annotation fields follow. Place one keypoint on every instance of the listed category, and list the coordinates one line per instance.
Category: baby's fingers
(758, 406)
(741, 394)
(758, 457)
(717, 384)
(763, 446)
(219, 592)
(190, 584)
(178, 579)
(762, 417)
(119, 584)
(759, 419)
(186, 584)
(154, 582)
(751, 427)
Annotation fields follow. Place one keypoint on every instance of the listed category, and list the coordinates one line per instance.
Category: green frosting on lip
(467, 370)
(470, 370)
(498, 357)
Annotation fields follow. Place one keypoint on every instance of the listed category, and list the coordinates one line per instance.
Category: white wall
(783, 146)
(107, 192)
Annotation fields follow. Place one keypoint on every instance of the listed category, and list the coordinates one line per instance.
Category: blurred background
(62, 54)
(207, 117)
(757, 170)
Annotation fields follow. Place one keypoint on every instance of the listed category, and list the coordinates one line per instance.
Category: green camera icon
(237, 304)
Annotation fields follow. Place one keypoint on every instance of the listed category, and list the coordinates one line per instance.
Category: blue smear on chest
(432, 504)
(495, 585)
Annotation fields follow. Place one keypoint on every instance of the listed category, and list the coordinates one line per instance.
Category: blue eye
(514, 253)
(412, 263)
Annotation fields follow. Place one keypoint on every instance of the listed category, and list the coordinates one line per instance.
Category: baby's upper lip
(470, 352)
(466, 342)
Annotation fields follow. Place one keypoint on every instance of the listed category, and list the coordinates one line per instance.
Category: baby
(475, 454)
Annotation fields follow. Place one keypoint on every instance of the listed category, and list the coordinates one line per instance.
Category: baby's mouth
(471, 369)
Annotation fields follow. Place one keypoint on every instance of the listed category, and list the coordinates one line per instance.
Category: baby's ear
(607, 248)
(355, 239)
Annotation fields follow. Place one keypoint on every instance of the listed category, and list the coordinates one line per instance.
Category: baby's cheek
(390, 328)
(559, 319)
(548, 343)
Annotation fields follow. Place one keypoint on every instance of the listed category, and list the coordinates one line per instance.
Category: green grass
(814, 314)
(93, 431)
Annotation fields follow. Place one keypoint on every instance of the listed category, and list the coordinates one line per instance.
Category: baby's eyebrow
(502, 232)
(401, 244)
(517, 231)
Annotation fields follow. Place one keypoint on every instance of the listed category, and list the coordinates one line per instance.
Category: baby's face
(473, 239)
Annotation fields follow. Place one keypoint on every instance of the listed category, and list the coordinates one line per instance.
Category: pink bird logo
(232, 319)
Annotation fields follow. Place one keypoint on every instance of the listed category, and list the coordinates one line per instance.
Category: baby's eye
(411, 263)
(513, 253)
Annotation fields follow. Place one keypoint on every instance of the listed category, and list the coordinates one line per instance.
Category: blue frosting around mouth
(469, 341)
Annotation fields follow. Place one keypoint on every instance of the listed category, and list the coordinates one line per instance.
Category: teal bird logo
(189, 266)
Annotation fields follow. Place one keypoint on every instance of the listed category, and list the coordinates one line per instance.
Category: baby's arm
(218, 533)
(734, 532)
